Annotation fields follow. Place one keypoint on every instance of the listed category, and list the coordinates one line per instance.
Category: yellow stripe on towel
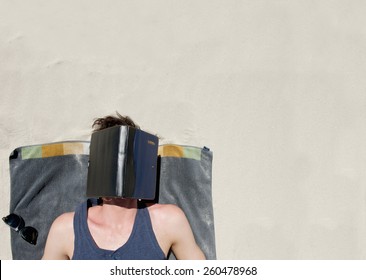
(180, 151)
(52, 150)
(55, 149)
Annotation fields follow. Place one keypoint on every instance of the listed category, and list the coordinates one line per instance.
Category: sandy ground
(276, 89)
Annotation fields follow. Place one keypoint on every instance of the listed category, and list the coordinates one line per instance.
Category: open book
(123, 163)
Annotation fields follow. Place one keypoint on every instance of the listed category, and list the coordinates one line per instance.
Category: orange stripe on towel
(171, 151)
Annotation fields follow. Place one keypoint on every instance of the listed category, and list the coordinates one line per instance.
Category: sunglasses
(16, 223)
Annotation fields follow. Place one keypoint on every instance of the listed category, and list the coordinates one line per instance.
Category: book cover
(122, 163)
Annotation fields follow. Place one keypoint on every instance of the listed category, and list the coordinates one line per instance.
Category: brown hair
(109, 121)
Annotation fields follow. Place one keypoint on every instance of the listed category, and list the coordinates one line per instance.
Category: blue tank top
(141, 245)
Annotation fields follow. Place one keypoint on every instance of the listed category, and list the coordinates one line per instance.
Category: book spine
(121, 160)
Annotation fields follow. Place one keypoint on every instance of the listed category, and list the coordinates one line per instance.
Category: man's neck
(114, 211)
(121, 202)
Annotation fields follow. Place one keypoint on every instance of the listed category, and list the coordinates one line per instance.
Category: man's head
(109, 121)
(122, 160)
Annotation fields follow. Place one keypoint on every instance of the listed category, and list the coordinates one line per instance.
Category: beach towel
(50, 179)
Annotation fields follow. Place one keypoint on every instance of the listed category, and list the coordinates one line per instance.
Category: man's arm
(60, 240)
(184, 245)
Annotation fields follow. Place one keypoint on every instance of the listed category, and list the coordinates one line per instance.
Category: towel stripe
(56, 149)
(82, 148)
(180, 151)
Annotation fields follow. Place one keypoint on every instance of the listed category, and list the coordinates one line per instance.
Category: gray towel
(46, 181)
(185, 180)
(50, 179)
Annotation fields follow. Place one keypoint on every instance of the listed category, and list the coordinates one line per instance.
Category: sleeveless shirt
(141, 245)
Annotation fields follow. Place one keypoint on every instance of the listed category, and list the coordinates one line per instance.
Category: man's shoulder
(165, 207)
(166, 212)
(64, 219)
